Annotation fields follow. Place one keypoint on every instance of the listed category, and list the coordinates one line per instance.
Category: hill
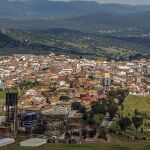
(9, 46)
(100, 22)
(69, 42)
(104, 21)
(37, 9)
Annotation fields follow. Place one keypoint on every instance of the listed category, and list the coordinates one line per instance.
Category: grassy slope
(141, 103)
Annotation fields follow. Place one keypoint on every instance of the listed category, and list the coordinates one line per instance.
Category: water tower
(11, 110)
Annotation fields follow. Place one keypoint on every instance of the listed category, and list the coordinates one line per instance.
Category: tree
(122, 107)
(137, 121)
(39, 130)
(119, 94)
(124, 123)
(112, 110)
(85, 116)
(142, 130)
(84, 133)
(102, 133)
(136, 112)
(111, 94)
(64, 98)
(79, 107)
(91, 77)
(99, 107)
(97, 119)
(82, 109)
(76, 105)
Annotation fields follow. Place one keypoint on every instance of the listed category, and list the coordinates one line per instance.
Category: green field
(141, 103)
(116, 144)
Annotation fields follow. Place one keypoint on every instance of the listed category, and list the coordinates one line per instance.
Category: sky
(132, 2)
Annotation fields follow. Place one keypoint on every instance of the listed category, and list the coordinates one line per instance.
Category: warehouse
(6, 141)
(33, 142)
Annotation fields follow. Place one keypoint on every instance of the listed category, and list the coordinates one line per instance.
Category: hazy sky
(133, 2)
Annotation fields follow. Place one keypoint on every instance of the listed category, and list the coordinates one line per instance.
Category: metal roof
(30, 113)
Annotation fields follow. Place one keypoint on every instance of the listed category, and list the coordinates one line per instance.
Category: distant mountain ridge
(93, 23)
(38, 9)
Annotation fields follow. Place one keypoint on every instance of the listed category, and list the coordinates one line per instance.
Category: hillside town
(134, 75)
(58, 96)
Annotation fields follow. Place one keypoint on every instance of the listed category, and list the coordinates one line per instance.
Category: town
(59, 99)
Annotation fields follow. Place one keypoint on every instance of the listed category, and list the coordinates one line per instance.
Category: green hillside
(70, 42)
(141, 103)
(34, 9)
